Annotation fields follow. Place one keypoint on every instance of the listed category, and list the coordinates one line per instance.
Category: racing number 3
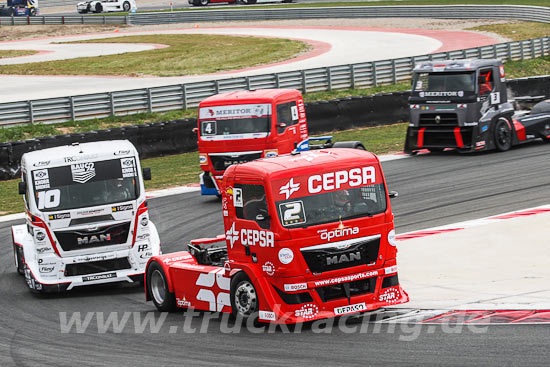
(49, 199)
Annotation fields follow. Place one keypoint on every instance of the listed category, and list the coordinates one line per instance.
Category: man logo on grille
(83, 172)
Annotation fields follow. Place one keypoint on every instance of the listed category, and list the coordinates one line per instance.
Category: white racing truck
(87, 219)
(100, 6)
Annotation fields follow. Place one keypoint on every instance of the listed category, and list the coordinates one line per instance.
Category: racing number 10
(49, 199)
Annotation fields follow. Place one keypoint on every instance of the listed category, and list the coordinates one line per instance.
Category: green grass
(4, 54)
(516, 31)
(181, 169)
(187, 54)
(366, 3)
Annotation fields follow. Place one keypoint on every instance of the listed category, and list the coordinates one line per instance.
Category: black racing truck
(463, 104)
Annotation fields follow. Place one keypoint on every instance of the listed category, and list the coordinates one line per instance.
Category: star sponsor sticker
(232, 235)
(289, 188)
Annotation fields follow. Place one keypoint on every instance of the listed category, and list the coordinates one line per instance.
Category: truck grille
(97, 267)
(326, 259)
(436, 120)
(221, 162)
(102, 236)
(336, 291)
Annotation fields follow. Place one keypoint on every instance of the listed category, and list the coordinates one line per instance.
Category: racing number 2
(49, 199)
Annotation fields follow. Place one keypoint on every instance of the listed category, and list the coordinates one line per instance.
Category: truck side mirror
(147, 174)
(393, 194)
(22, 187)
(195, 130)
(281, 125)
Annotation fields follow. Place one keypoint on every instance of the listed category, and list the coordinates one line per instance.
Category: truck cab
(242, 126)
(460, 104)
(86, 217)
(308, 235)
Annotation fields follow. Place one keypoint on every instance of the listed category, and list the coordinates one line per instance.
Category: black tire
(157, 288)
(244, 298)
(12, 12)
(126, 6)
(18, 258)
(503, 134)
(32, 12)
(250, 2)
(349, 144)
(98, 8)
(203, 2)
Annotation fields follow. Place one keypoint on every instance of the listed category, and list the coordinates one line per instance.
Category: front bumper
(465, 139)
(209, 184)
(322, 298)
(55, 274)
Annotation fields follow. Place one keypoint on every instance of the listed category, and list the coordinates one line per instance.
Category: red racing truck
(308, 235)
(242, 126)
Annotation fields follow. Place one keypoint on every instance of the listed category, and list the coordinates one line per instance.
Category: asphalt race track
(433, 190)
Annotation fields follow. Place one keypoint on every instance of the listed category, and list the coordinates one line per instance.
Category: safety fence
(517, 12)
(183, 96)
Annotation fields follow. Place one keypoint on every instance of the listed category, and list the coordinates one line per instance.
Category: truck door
(287, 126)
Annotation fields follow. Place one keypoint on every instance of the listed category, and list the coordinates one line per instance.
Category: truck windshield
(332, 206)
(86, 184)
(235, 122)
(444, 82)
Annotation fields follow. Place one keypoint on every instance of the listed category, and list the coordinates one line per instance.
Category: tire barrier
(173, 137)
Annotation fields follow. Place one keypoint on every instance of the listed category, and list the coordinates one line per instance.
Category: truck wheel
(157, 288)
(126, 6)
(349, 144)
(19, 265)
(244, 298)
(12, 12)
(98, 8)
(503, 134)
(203, 2)
(32, 12)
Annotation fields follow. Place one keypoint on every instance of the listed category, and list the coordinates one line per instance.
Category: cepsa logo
(249, 237)
(334, 180)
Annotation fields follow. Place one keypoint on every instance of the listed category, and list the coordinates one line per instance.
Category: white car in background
(106, 6)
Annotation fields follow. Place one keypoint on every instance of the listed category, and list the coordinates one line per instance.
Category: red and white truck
(308, 235)
(242, 126)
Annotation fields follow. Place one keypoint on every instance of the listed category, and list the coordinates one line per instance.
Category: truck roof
(94, 151)
(245, 96)
(304, 163)
(455, 65)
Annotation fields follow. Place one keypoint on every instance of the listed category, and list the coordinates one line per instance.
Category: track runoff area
(456, 287)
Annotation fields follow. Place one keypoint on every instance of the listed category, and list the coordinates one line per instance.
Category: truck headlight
(391, 238)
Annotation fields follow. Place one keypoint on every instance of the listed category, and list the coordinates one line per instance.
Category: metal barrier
(517, 12)
(183, 96)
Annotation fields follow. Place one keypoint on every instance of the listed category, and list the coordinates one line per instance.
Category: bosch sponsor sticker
(307, 311)
(128, 166)
(268, 268)
(295, 287)
(390, 295)
(286, 256)
(83, 172)
(292, 213)
(267, 315)
(121, 208)
(91, 278)
(59, 216)
(41, 179)
(358, 307)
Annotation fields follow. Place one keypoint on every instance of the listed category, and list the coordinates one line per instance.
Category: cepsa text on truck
(307, 236)
(87, 220)
(242, 126)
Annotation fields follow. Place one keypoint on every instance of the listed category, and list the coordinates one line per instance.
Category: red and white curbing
(474, 223)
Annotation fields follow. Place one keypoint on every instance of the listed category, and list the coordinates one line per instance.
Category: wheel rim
(126, 7)
(158, 287)
(204, 2)
(245, 298)
(503, 134)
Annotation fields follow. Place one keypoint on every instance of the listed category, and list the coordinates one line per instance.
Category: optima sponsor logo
(339, 232)
(88, 240)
